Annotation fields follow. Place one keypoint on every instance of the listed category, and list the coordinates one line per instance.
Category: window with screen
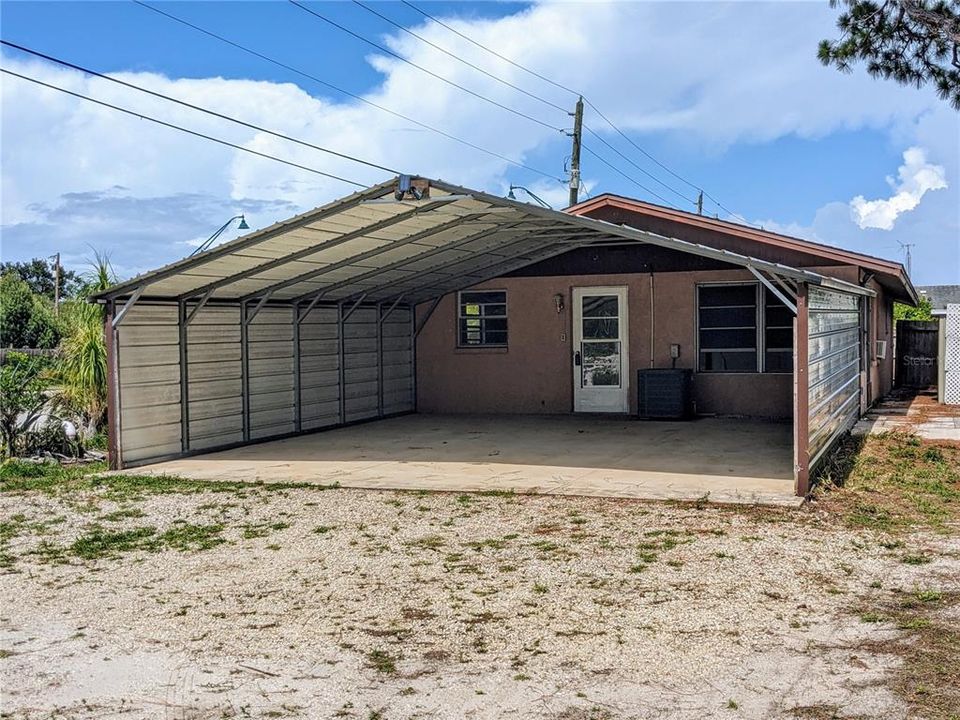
(483, 318)
(727, 322)
(777, 334)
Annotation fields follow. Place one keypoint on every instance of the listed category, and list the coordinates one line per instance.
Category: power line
(198, 108)
(570, 90)
(347, 93)
(645, 172)
(634, 181)
(459, 59)
(383, 49)
(173, 126)
(484, 47)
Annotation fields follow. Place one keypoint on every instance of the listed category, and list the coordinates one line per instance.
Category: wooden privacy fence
(917, 349)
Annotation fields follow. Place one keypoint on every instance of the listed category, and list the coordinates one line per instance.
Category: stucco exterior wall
(534, 374)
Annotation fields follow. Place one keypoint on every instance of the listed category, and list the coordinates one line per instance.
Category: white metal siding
(148, 368)
(834, 367)
(397, 353)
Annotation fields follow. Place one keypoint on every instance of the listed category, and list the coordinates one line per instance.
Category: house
(945, 307)
(420, 296)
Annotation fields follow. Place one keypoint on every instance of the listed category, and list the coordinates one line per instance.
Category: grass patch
(382, 662)
(893, 481)
(929, 678)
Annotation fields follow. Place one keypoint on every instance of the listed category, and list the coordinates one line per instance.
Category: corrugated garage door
(834, 362)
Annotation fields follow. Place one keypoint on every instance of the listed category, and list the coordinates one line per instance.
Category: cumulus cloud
(152, 190)
(916, 177)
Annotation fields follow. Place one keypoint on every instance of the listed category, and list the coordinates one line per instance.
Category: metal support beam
(413, 356)
(182, 321)
(388, 246)
(245, 370)
(310, 250)
(353, 307)
(257, 309)
(313, 303)
(426, 316)
(341, 371)
(198, 307)
(114, 445)
(390, 309)
(297, 411)
(801, 395)
(379, 360)
(772, 288)
(118, 318)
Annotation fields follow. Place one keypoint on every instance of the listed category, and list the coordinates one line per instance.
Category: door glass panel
(599, 306)
(601, 329)
(600, 365)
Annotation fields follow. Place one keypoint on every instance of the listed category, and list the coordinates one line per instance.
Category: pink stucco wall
(534, 374)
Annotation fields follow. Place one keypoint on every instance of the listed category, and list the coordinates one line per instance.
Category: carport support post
(801, 394)
(341, 374)
(244, 371)
(184, 380)
(380, 319)
(296, 367)
(114, 457)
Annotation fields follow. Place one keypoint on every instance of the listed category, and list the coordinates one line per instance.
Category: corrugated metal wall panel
(397, 358)
(377, 374)
(272, 405)
(214, 378)
(319, 369)
(834, 368)
(148, 369)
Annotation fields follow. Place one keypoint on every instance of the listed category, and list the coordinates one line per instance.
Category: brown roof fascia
(845, 257)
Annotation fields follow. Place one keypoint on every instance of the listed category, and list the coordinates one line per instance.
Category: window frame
(760, 309)
(460, 316)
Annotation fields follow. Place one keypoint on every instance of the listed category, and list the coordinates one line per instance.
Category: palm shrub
(83, 351)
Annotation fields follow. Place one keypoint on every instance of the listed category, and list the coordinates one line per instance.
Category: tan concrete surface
(912, 412)
(733, 461)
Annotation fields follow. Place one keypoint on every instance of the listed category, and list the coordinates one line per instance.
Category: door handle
(576, 358)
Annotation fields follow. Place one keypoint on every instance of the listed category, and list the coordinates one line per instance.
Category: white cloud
(708, 75)
(916, 178)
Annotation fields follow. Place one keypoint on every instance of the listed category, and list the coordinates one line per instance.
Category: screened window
(727, 319)
(483, 318)
(777, 334)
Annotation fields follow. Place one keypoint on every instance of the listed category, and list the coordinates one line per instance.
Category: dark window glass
(777, 334)
(483, 318)
(727, 317)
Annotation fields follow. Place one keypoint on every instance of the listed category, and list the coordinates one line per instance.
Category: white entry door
(600, 350)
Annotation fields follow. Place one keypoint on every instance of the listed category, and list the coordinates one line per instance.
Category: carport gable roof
(373, 247)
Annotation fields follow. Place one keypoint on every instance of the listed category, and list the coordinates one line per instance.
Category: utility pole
(909, 258)
(575, 155)
(56, 283)
(700, 203)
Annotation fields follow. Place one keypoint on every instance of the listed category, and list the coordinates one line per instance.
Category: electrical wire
(173, 126)
(347, 93)
(597, 110)
(453, 84)
(633, 180)
(459, 59)
(198, 108)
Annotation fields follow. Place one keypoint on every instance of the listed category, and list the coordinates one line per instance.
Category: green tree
(22, 398)
(923, 310)
(40, 276)
(27, 320)
(914, 42)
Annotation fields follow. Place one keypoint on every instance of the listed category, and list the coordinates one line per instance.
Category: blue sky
(729, 96)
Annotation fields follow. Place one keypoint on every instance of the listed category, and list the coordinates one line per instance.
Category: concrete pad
(735, 461)
(918, 413)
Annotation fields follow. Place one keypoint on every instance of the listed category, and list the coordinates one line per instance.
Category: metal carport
(311, 322)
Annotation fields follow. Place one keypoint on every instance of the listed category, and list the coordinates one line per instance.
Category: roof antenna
(700, 203)
(906, 248)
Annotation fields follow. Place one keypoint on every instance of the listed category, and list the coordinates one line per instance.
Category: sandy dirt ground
(379, 604)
